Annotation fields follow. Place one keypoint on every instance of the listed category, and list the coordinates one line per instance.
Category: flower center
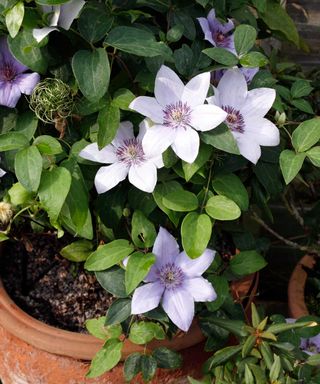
(131, 152)
(221, 39)
(7, 73)
(234, 120)
(312, 347)
(177, 115)
(171, 276)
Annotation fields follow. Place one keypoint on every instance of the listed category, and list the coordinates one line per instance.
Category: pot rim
(296, 301)
(73, 344)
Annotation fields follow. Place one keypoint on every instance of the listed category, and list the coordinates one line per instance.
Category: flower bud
(6, 212)
(280, 118)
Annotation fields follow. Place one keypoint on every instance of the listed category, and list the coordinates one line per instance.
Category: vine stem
(207, 187)
(290, 243)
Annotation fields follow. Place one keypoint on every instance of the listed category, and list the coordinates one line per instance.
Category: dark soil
(49, 287)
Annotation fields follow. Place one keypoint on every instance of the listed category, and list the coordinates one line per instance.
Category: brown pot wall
(297, 282)
(32, 352)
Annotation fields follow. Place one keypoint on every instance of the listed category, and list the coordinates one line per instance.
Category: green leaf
(3, 237)
(306, 135)
(142, 332)
(160, 191)
(47, 145)
(12, 140)
(97, 328)
(231, 186)
(222, 56)
(51, 2)
(277, 19)
(290, 164)
(222, 208)
(275, 369)
(314, 360)
(189, 169)
(53, 190)
(181, 201)
(283, 327)
(108, 255)
(221, 286)
(118, 311)
(143, 232)
(77, 251)
(94, 23)
(314, 156)
(221, 357)
(107, 358)
(132, 366)
(26, 49)
(221, 138)
(195, 233)
(184, 60)
(248, 376)
(248, 345)
(300, 88)
(112, 280)
(92, 72)
(261, 5)
(166, 358)
(269, 176)
(14, 18)
(19, 195)
(138, 42)
(27, 124)
(109, 121)
(28, 168)
(244, 38)
(148, 367)
(175, 33)
(247, 262)
(139, 265)
(122, 99)
(254, 59)
(302, 105)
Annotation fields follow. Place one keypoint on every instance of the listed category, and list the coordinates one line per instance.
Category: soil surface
(49, 287)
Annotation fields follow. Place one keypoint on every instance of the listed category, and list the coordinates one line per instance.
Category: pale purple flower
(127, 156)
(58, 16)
(176, 281)
(217, 33)
(13, 80)
(245, 113)
(178, 111)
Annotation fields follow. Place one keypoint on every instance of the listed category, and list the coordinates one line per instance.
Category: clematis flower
(245, 113)
(248, 73)
(2, 172)
(178, 111)
(127, 156)
(176, 281)
(58, 16)
(13, 80)
(217, 33)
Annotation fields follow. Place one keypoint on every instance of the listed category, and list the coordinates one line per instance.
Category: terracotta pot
(32, 352)
(297, 282)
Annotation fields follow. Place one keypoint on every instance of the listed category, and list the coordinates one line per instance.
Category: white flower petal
(54, 10)
(165, 248)
(2, 172)
(109, 176)
(40, 33)
(258, 102)
(157, 139)
(168, 87)
(124, 132)
(69, 12)
(179, 306)
(206, 117)
(200, 289)
(27, 81)
(186, 144)
(146, 298)
(196, 90)
(262, 131)
(105, 155)
(149, 107)
(249, 148)
(143, 176)
(195, 267)
(232, 89)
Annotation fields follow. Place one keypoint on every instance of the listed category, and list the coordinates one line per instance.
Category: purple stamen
(234, 120)
(171, 276)
(177, 115)
(131, 152)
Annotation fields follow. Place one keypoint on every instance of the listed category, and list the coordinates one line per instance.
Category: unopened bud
(280, 118)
